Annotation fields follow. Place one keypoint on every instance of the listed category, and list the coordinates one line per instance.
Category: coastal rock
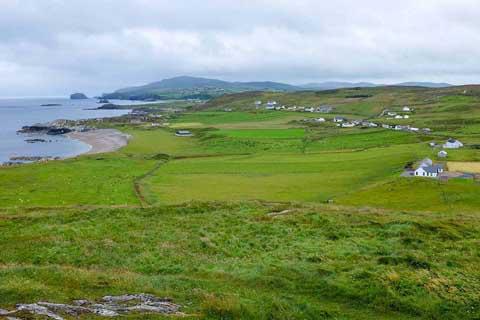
(50, 105)
(45, 128)
(78, 96)
(31, 158)
(36, 141)
(103, 101)
(36, 128)
(109, 106)
(57, 131)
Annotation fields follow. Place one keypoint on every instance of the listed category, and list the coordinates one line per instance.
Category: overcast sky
(54, 47)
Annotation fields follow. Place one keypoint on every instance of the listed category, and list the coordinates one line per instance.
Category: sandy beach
(101, 140)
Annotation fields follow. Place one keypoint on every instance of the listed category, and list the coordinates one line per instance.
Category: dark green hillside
(193, 88)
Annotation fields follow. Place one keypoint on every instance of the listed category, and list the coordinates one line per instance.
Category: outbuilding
(443, 154)
(183, 133)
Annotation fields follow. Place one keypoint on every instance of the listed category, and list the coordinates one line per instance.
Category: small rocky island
(78, 96)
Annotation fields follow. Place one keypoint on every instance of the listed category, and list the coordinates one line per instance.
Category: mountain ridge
(188, 87)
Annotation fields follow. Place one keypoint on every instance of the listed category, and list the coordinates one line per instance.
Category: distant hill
(194, 88)
(329, 85)
(186, 87)
(424, 84)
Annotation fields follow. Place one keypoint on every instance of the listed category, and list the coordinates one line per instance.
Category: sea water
(16, 113)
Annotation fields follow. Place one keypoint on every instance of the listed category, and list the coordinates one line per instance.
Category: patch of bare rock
(109, 306)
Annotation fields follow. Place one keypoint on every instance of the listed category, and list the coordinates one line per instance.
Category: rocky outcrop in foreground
(110, 306)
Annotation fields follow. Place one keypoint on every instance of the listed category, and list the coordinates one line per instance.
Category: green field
(258, 215)
(236, 261)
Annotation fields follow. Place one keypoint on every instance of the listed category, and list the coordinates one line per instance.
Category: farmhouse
(406, 109)
(320, 120)
(428, 169)
(348, 125)
(339, 119)
(183, 133)
(452, 144)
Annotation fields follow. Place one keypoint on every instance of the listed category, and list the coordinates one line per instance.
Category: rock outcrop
(109, 306)
(109, 106)
(78, 96)
(45, 129)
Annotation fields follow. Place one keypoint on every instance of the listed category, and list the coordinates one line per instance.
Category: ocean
(16, 113)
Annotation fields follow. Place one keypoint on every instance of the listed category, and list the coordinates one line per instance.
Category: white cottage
(452, 144)
(429, 171)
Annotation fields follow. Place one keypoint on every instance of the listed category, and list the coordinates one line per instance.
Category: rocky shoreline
(99, 140)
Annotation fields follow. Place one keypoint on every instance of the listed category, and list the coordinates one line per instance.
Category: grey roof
(433, 169)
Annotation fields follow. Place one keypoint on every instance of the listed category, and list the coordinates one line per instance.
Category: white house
(391, 114)
(339, 119)
(428, 169)
(452, 144)
(406, 109)
(406, 116)
(348, 125)
(258, 103)
(398, 117)
(320, 120)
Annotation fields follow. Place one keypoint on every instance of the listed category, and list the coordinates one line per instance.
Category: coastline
(101, 140)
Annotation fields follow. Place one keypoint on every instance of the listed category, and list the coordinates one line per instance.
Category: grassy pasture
(422, 194)
(235, 261)
(360, 139)
(100, 180)
(262, 133)
(275, 177)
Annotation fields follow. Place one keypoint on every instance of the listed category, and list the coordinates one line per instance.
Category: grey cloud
(56, 46)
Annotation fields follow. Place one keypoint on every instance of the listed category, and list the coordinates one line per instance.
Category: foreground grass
(237, 261)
